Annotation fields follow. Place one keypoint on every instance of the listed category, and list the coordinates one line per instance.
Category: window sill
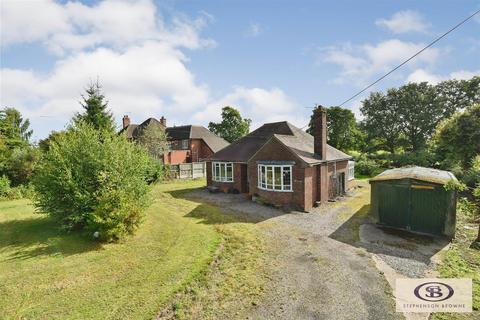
(270, 190)
(223, 181)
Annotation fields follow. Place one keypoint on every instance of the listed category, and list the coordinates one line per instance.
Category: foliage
(44, 144)
(458, 137)
(407, 116)
(4, 187)
(232, 127)
(94, 180)
(95, 109)
(456, 95)
(154, 139)
(342, 128)
(422, 158)
(381, 120)
(14, 130)
(20, 165)
(456, 185)
(17, 157)
(472, 175)
(365, 166)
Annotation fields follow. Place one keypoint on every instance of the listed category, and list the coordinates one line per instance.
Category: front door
(244, 177)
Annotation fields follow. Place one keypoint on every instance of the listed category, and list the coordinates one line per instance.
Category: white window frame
(351, 170)
(222, 175)
(185, 144)
(263, 182)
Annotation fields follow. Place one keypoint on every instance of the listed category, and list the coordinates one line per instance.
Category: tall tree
(232, 127)
(381, 120)
(458, 138)
(418, 111)
(95, 109)
(154, 139)
(342, 129)
(14, 130)
(457, 95)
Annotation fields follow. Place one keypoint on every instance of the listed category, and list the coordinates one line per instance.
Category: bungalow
(187, 143)
(283, 165)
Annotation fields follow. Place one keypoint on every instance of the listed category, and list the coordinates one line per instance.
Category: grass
(462, 260)
(45, 273)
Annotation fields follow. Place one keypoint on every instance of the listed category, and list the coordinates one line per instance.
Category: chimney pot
(163, 121)
(126, 121)
(320, 132)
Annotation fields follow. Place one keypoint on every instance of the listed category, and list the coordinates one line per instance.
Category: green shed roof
(418, 173)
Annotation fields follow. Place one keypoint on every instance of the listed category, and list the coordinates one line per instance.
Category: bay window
(275, 177)
(222, 171)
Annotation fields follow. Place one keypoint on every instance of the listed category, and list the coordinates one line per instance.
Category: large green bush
(93, 180)
(367, 167)
(4, 187)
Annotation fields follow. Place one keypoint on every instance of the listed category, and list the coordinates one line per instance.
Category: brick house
(187, 143)
(283, 165)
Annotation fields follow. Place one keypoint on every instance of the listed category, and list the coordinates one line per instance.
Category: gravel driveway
(317, 272)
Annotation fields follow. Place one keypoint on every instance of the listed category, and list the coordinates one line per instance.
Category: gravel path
(317, 272)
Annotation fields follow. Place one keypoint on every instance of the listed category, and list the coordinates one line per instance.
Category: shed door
(428, 209)
(394, 204)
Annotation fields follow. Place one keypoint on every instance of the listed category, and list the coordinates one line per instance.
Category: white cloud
(260, 105)
(116, 23)
(360, 62)
(254, 30)
(422, 75)
(404, 22)
(136, 56)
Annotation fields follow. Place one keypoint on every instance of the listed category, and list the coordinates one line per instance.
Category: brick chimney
(126, 121)
(320, 132)
(163, 121)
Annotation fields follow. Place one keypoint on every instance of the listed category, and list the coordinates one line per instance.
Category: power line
(406, 61)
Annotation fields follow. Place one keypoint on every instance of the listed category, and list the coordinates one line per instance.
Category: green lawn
(45, 273)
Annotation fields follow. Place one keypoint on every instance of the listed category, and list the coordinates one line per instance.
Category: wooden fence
(188, 170)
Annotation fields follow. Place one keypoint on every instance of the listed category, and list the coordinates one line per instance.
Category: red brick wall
(226, 186)
(175, 157)
(274, 150)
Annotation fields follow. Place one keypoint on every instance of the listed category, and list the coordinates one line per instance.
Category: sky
(185, 60)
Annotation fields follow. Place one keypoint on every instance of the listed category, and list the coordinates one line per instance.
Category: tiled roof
(179, 133)
(295, 139)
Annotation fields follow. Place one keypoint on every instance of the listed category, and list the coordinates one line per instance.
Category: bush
(420, 158)
(366, 167)
(4, 187)
(93, 180)
(20, 165)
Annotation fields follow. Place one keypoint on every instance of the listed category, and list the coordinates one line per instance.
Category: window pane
(263, 174)
(278, 178)
(229, 172)
(269, 178)
(222, 171)
(287, 178)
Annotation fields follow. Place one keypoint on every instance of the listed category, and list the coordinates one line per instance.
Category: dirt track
(318, 271)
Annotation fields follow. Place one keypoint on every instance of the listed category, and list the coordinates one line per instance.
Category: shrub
(155, 171)
(419, 158)
(20, 165)
(366, 167)
(4, 187)
(472, 176)
(93, 180)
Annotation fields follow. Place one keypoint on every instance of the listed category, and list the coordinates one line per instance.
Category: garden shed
(414, 198)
